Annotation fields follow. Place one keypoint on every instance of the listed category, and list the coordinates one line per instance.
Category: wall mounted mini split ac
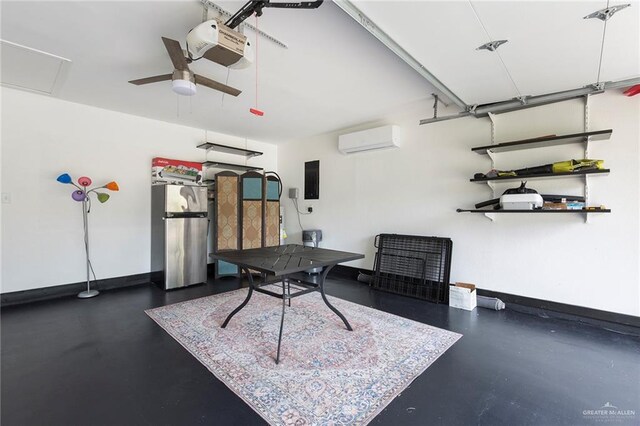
(369, 140)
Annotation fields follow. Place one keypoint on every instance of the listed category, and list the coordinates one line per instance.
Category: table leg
(324, 297)
(243, 304)
(281, 320)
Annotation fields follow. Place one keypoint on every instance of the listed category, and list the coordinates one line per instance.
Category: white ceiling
(47, 74)
(334, 74)
(551, 47)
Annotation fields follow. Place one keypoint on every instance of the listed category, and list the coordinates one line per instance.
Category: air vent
(31, 69)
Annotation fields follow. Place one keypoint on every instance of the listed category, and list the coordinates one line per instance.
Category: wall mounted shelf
(583, 138)
(534, 211)
(543, 175)
(545, 141)
(228, 166)
(491, 214)
(209, 146)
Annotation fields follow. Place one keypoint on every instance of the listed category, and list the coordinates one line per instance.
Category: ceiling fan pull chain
(255, 110)
(226, 82)
(256, 61)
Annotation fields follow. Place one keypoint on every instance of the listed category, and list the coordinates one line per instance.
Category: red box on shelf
(166, 170)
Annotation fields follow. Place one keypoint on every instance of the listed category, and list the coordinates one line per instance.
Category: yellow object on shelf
(576, 165)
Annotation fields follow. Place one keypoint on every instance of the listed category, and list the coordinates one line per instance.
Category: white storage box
(521, 201)
(462, 296)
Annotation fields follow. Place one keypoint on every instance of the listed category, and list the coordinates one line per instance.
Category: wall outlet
(310, 209)
(6, 198)
(293, 193)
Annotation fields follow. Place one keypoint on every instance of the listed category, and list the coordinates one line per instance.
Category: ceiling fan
(184, 81)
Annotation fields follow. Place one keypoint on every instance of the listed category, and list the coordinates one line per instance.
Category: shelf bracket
(586, 196)
(490, 216)
(586, 125)
(492, 186)
(586, 152)
(586, 113)
(492, 156)
(492, 117)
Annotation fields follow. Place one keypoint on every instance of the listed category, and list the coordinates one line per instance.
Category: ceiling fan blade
(153, 79)
(175, 53)
(204, 81)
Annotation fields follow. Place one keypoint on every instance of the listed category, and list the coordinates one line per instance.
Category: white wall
(1, 205)
(417, 188)
(43, 137)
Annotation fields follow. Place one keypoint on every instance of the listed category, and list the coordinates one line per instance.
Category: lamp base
(88, 293)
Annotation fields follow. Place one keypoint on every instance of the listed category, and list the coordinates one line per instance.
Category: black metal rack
(412, 265)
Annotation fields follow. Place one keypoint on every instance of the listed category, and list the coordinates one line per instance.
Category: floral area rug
(327, 375)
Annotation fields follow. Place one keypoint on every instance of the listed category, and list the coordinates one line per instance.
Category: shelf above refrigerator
(209, 146)
(228, 166)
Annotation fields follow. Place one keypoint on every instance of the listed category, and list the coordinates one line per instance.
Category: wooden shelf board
(228, 166)
(544, 175)
(544, 141)
(532, 211)
(210, 146)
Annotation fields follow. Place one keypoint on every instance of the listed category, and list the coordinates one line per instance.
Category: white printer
(521, 201)
(521, 198)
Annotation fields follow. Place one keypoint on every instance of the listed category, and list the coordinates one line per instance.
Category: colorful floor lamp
(82, 195)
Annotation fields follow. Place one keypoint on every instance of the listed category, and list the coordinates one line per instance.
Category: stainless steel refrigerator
(179, 227)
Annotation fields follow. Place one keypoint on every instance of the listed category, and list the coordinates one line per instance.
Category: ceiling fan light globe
(183, 87)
